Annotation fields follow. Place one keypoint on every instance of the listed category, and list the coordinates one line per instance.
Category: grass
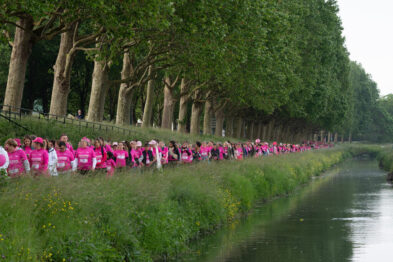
(144, 216)
(53, 129)
(385, 158)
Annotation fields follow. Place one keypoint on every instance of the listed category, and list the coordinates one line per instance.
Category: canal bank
(345, 215)
(146, 216)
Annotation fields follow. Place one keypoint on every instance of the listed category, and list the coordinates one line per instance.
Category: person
(221, 150)
(238, 151)
(64, 138)
(4, 159)
(110, 164)
(148, 158)
(196, 151)
(120, 155)
(27, 145)
(18, 162)
(101, 154)
(39, 158)
(173, 153)
(204, 151)
(52, 163)
(215, 153)
(65, 159)
(227, 150)
(80, 115)
(164, 153)
(85, 157)
(133, 155)
(186, 154)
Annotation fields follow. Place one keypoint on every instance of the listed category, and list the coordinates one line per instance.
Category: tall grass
(385, 158)
(53, 129)
(142, 216)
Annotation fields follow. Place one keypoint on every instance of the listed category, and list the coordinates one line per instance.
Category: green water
(345, 215)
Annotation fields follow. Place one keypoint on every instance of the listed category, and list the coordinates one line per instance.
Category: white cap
(152, 142)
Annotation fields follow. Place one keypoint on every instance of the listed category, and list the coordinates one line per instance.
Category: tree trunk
(148, 110)
(329, 137)
(61, 80)
(322, 137)
(195, 117)
(229, 127)
(269, 136)
(239, 124)
(169, 104)
(264, 131)
(21, 52)
(244, 129)
(335, 137)
(99, 89)
(125, 94)
(350, 137)
(252, 130)
(277, 132)
(342, 138)
(259, 131)
(207, 118)
(182, 121)
(219, 114)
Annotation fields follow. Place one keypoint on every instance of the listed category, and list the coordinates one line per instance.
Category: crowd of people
(43, 157)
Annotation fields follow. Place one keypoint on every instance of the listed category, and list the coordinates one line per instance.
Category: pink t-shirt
(205, 152)
(64, 160)
(186, 155)
(221, 149)
(101, 159)
(16, 167)
(28, 151)
(239, 153)
(69, 147)
(85, 158)
(110, 167)
(108, 148)
(121, 156)
(39, 161)
(134, 156)
(164, 155)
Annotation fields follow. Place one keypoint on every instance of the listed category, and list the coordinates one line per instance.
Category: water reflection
(344, 216)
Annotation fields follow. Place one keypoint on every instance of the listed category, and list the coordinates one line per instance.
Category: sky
(368, 29)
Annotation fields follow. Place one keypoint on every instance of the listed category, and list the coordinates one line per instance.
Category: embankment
(144, 216)
(385, 158)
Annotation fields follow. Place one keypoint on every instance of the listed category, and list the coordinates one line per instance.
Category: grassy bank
(143, 216)
(385, 158)
(53, 129)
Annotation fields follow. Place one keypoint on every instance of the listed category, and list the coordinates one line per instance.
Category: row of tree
(269, 69)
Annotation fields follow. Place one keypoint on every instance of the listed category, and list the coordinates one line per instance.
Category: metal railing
(15, 113)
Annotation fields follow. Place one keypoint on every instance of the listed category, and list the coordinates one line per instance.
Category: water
(346, 215)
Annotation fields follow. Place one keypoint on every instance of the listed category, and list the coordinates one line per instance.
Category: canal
(344, 215)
